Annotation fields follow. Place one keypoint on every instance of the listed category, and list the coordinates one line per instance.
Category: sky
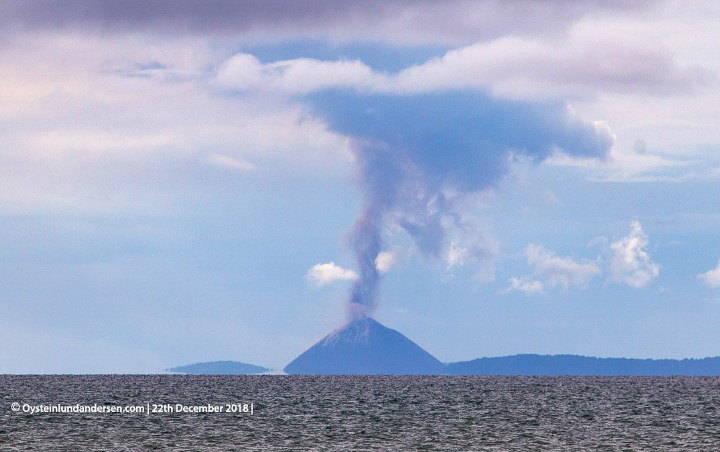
(187, 181)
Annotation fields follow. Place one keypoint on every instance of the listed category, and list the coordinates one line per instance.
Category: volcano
(365, 347)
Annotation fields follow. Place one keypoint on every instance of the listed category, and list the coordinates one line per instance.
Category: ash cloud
(417, 156)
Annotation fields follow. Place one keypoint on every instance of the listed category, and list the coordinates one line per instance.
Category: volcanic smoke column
(367, 243)
(378, 175)
(418, 155)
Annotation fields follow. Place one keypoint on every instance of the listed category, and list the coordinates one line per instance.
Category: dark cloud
(412, 150)
(401, 20)
(460, 137)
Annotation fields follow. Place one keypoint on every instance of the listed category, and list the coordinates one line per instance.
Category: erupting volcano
(419, 160)
(365, 347)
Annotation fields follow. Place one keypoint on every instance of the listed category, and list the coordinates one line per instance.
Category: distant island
(584, 365)
(219, 368)
(366, 347)
(526, 364)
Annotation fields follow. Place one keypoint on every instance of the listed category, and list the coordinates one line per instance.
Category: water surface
(364, 413)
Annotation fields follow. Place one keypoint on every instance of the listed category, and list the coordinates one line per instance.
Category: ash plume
(417, 156)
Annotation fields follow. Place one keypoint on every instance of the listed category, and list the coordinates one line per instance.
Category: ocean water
(172, 412)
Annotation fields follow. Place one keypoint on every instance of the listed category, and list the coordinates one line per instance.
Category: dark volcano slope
(365, 347)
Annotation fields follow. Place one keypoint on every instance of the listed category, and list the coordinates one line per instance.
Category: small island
(219, 368)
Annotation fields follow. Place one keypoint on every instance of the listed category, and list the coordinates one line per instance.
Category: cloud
(82, 132)
(525, 285)
(559, 271)
(297, 76)
(459, 139)
(550, 270)
(385, 260)
(712, 277)
(628, 165)
(456, 255)
(631, 264)
(419, 157)
(225, 161)
(582, 65)
(465, 241)
(405, 22)
(324, 274)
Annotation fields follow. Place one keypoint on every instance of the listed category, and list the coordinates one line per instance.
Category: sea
(346, 413)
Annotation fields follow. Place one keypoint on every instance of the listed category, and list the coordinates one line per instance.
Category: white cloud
(230, 162)
(631, 264)
(583, 64)
(470, 243)
(629, 165)
(526, 285)
(301, 75)
(86, 130)
(456, 255)
(385, 260)
(711, 277)
(324, 274)
(550, 270)
(559, 271)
